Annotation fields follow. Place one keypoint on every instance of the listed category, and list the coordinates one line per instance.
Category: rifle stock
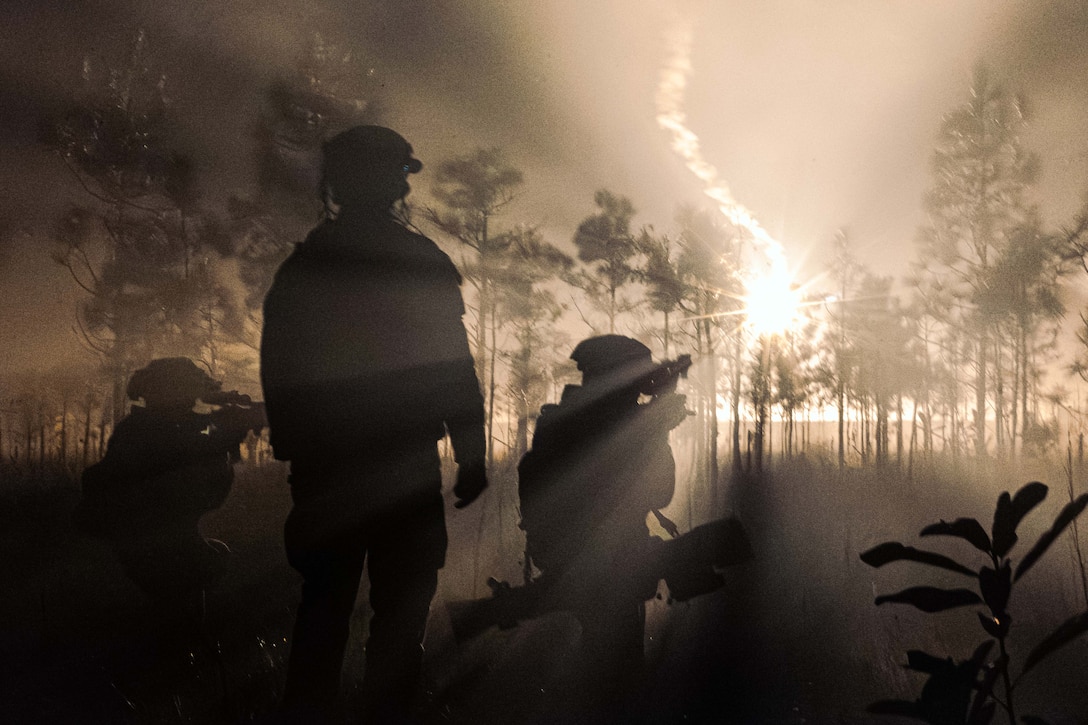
(506, 606)
(689, 564)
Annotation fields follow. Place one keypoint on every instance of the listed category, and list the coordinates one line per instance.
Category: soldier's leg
(403, 569)
(611, 655)
(330, 585)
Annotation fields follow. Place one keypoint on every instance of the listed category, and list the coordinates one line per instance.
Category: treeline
(958, 358)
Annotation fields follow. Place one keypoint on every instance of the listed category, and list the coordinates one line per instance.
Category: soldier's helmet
(618, 360)
(366, 159)
(170, 378)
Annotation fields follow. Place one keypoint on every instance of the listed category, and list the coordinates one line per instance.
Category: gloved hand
(471, 482)
(670, 410)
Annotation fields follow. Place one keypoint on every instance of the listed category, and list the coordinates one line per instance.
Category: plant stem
(1008, 683)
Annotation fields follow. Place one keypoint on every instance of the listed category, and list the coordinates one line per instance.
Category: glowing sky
(817, 114)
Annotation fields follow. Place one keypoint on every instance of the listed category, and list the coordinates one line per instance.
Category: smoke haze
(818, 116)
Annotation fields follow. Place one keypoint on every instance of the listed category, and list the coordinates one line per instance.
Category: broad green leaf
(969, 529)
(891, 551)
(1068, 630)
(996, 586)
(1070, 512)
(1011, 511)
(932, 599)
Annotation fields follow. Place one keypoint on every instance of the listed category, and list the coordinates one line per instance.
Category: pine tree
(981, 174)
(607, 246)
(472, 189)
(140, 248)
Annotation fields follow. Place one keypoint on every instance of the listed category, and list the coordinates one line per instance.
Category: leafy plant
(966, 693)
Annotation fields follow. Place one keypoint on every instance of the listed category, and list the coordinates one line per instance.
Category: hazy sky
(819, 114)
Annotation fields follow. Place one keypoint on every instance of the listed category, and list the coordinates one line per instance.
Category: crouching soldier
(165, 467)
(600, 463)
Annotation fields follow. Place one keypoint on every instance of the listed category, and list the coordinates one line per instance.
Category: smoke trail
(671, 117)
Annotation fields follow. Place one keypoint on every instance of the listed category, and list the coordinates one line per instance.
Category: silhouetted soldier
(599, 464)
(365, 365)
(165, 467)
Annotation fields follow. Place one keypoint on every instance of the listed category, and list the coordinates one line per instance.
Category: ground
(792, 638)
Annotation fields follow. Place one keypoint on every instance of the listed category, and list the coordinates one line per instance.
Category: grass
(792, 638)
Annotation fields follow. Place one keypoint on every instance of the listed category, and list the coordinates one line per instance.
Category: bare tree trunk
(102, 427)
(999, 396)
(666, 341)
(85, 460)
(981, 397)
(899, 430)
(927, 423)
(483, 301)
(734, 402)
(769, 430)
(29, 441)
(1014, 413)
(713, 451)
(842, 422)
(611, 310)
(759, 439)
(41, 439)
(1023, 385)
(863, 407)
(491, 398)
(789, 432)
(913, 434)
(62, 454)
(521, 434)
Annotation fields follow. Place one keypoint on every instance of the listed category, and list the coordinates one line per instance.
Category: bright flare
(771, 302)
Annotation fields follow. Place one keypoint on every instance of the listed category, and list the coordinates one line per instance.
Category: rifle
(689, 564)
(662, 379)
(236, 416)
(668, 406)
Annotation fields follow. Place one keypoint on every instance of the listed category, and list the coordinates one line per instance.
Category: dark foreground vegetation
(793, 637)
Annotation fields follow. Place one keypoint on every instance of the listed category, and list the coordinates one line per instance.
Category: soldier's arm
(661, 478)
(464, 415)
(461, 403)
(465, 424)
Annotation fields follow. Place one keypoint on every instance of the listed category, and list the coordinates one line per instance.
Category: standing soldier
(365, 366)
